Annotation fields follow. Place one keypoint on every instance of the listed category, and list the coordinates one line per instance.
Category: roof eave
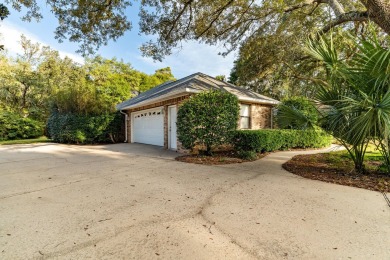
(250, 100)
(154, 100)
(193, 91)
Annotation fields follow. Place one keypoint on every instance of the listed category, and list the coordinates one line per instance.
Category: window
(244, 116)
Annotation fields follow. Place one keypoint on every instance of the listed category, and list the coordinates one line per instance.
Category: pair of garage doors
(148, 127)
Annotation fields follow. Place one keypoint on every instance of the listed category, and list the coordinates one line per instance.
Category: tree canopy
(94, 23)
(39, 79)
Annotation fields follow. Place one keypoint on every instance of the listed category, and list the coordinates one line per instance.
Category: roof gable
(193, 83)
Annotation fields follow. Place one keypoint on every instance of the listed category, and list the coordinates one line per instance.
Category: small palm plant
(355, 100)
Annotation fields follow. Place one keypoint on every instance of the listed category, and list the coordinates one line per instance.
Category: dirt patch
(323, 168)
(218, 158)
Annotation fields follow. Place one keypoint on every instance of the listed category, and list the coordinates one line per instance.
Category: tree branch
(219, 12)
(304, 4)
(336, 7)
(344, 18)
(177, 18)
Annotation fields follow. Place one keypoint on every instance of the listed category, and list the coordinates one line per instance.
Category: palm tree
(356, 97)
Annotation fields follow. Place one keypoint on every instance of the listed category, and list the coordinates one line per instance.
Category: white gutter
(125, 124)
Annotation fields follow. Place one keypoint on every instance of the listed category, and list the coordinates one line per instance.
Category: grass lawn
(42, 139)
(337, 167)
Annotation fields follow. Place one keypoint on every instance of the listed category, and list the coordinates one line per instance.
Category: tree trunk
(24, 95)
(208, 150)
(379, 12)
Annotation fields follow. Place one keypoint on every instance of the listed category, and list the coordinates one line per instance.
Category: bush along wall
(85, 129)
(14, 126)
(276, 139)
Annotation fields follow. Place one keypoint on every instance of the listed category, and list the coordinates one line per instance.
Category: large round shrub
(207, 119)
(13, 126)
(296, 113)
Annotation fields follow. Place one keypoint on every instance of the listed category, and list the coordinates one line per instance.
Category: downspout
(125, 124)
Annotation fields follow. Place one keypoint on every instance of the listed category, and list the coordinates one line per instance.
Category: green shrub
(247, 155)
(269, 140)
(85, 129)
(207, 119)
(14, 126)
(296, 113)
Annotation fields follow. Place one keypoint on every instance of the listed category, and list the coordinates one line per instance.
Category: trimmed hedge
(276, 139)
(14, 126)
(85, 129)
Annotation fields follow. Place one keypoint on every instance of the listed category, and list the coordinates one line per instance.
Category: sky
(193, 57)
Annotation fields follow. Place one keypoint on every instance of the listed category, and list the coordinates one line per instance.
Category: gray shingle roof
(192, 84)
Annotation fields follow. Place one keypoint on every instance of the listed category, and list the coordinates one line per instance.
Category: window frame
(246, 117)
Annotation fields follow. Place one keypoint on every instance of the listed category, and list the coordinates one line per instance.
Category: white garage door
(148, 126)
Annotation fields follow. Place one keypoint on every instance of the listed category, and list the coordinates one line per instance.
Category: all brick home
(151, 116)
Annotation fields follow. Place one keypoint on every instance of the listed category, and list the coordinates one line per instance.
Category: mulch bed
(218, 158)
(317, 167)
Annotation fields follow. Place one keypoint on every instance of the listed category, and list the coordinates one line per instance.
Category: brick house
(151, 116)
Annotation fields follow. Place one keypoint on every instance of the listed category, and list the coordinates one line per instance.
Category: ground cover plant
(42, 139)
(220, 157)
(338, 168)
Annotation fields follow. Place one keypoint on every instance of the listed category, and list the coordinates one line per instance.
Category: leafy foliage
(275, 139)
(13, 126)
(234, 22)
(4, 12)
(296, 113)
(356, 98)
(95, 23)
(85, 129)
(90, 23)
(207, 119)
(39, 81)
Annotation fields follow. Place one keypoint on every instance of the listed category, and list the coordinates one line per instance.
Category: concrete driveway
(135, 202)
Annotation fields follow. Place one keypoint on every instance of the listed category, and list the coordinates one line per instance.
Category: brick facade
(260, 117)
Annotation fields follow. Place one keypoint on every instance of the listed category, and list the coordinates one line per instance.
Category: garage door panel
(148, 127)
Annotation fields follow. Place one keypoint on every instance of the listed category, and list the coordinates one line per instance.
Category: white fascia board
(244, 99)
(257, 101)
(193, 91)
(155, 100)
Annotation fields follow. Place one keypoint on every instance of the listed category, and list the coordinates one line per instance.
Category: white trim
(251, 100)
(131, 128)
(256, 101)
(169, 126)
(194, 91)
(155, 100)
